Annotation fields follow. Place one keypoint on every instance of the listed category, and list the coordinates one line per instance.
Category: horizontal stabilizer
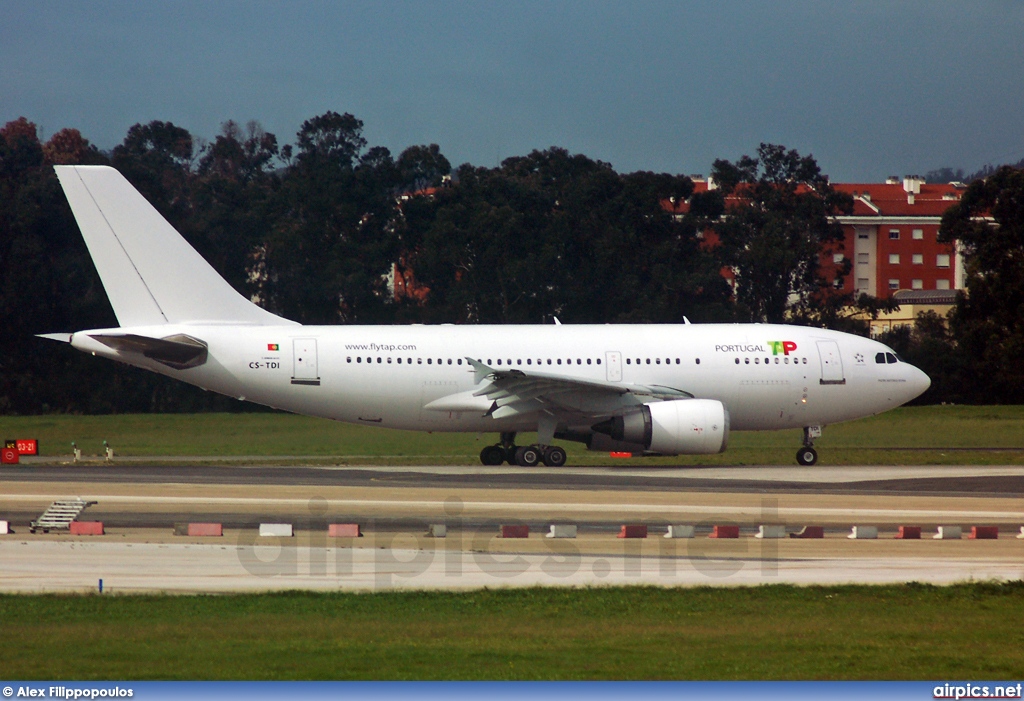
(179, 351)
(62, 337)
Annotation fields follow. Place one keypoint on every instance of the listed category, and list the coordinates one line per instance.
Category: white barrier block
(437, 530)
(562, 530)
(4, 530)
(772, 531)
(948, 533)
(679, 531)
(1020, 536)
(863, 533)
(278, 529)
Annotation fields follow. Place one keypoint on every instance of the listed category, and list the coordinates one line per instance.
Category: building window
(837, 258)
(894, 259)
(942, 260)
(894, 284)
(917, 284)
(942, 284)
(863, 258)
(894, 234)
(862, 283)
(862, 233)
(918, 234)
(917, 259)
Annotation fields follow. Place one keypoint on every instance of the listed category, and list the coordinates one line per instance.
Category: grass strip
(908, 435)
(905, 632)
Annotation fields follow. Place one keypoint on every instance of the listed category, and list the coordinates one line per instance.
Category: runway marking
(752, 511)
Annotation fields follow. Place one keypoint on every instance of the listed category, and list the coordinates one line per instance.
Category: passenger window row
(504, 362)
(458, 361)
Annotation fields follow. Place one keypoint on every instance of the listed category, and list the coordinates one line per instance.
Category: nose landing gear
(807, 455)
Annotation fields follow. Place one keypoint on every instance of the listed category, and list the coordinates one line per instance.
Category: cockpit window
(883, 358)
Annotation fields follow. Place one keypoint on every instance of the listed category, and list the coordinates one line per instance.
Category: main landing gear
(808, 455)
(526, 456)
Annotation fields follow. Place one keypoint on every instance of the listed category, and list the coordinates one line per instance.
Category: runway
(139, 505)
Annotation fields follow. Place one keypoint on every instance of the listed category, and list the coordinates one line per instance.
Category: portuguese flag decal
(273, 347)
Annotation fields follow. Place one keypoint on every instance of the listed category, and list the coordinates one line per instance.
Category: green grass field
(908, 632)
(910, 435)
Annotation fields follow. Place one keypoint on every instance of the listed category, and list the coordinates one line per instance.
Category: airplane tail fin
(150, 273)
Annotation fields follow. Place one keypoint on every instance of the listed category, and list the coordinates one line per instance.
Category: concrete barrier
(205, 529)
(681, 531)
(771, 531)
(180, 529)
(984, 533)
(276, 529)
(809, 532)
(633, 531)
(344, 530)
(4, 528)
(515, 531)
(87, 528)
(948, 533)
(725, 532)
(909, 533)
(562, 530)
(437, 530)
(863, 533)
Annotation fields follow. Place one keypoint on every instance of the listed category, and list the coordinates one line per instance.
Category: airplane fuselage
(767, 376)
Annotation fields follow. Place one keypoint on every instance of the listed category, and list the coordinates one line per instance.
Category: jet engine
(681, 427)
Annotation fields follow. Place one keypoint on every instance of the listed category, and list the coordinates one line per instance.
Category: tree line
(325, 229)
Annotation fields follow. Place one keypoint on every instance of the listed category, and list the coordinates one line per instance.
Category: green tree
(335, 234)
(554, 233)
(777, 213)
(988, 320)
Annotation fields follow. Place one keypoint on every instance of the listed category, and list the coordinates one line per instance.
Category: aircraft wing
(513, 391)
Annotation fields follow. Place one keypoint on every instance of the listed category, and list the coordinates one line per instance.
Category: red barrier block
(517, 531)
(211, 529)
(87, 528)
(344, 530)
(909, 533)
(634, 531)
(725, 532)
(809, 532)
(619, 454)
(984, 533)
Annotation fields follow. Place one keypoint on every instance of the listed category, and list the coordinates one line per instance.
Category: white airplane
(642, 389)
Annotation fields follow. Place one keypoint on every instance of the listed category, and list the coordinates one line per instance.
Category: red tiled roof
(875, 199)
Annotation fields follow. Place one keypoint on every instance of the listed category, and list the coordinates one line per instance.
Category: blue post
(101, 586)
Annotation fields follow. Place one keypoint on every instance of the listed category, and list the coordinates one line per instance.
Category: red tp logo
(785, 346)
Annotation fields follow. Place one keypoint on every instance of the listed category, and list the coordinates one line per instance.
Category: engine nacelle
(681, 427)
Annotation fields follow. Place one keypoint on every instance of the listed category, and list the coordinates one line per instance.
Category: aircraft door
(613, 365)
(304, 362)
(831, 363)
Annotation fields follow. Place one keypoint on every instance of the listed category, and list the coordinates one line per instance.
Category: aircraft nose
(917, 381)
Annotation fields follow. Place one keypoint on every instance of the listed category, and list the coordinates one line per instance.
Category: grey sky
(869, 88)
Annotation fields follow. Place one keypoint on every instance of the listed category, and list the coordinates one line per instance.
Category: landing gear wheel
(807, 456)
(527, 456)
(492, 455)
(554, 456)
